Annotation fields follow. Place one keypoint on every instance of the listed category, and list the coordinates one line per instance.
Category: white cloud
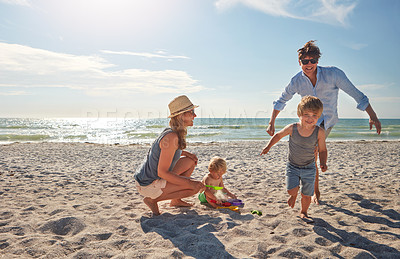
(14, 57)
(13, 93)
(356, 46)
(23, 66)
(272, 7)
(16, 2)
(272, 93)
(371, 86)
(335, 12)
(159, 54)
(389, 99)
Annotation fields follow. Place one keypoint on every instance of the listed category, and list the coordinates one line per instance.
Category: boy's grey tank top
(148, 171)
(301, 149)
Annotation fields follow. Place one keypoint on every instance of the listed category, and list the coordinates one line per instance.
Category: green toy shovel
(215, 187)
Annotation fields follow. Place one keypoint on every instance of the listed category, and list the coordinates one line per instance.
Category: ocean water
(137, 131)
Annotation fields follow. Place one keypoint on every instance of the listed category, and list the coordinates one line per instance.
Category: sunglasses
(191, 112)
(305, 61)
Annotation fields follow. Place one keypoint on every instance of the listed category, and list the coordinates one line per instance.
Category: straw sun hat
(180, 105)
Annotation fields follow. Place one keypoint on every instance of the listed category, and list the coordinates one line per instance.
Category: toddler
(217, 168)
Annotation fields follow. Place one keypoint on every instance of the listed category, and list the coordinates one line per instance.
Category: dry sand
(79, 201)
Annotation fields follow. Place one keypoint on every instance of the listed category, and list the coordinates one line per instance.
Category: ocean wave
(80, 137)
(156, 126)
(230, 127)
(13, 137)
(203, 135)
(144, 131)
(139, 135)
(14, 127)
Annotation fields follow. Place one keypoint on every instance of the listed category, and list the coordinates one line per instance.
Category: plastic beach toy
(259, 213)
(215, 187)
(202, 197)
(232, 208)
(224, 204)
(236, 202)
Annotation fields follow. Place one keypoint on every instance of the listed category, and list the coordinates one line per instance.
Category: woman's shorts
(152, 190)
(304, 174)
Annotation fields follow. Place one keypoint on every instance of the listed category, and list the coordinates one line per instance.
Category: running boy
(304, 137)
(217, 168)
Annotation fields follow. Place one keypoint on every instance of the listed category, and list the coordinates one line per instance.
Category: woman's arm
(168, 145)
(190, 155)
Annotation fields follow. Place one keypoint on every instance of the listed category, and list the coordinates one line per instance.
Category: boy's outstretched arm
(322, 150)
(278, 136)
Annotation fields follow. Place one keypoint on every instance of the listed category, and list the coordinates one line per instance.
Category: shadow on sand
(367, 204)
(190, 232)
(352, 239)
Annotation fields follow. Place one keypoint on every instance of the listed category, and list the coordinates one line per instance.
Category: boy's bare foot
(306, 218)
(315, 197)
(180, 203)
(152, 205)
(304, 215)
(291, 201)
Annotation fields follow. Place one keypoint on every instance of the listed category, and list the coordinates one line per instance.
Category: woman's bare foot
(180, 203)
(291, 201)
(152, 205)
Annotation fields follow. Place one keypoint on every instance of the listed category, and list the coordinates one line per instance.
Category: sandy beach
(79, 201)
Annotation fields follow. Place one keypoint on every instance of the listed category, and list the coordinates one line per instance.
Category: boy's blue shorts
(304, 174)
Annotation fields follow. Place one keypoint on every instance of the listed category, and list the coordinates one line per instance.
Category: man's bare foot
(315, 198)
(180, 203)
(291, 201)
(152, 205)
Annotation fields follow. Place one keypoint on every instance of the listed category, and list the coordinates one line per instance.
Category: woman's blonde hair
(216, 164)
(178, 126)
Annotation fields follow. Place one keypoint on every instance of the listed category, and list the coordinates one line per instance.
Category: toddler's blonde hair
(216, 164)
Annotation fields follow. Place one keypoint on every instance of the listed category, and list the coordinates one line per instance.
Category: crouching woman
(165, 173)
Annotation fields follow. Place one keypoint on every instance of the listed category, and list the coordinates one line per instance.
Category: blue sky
(129, 58)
